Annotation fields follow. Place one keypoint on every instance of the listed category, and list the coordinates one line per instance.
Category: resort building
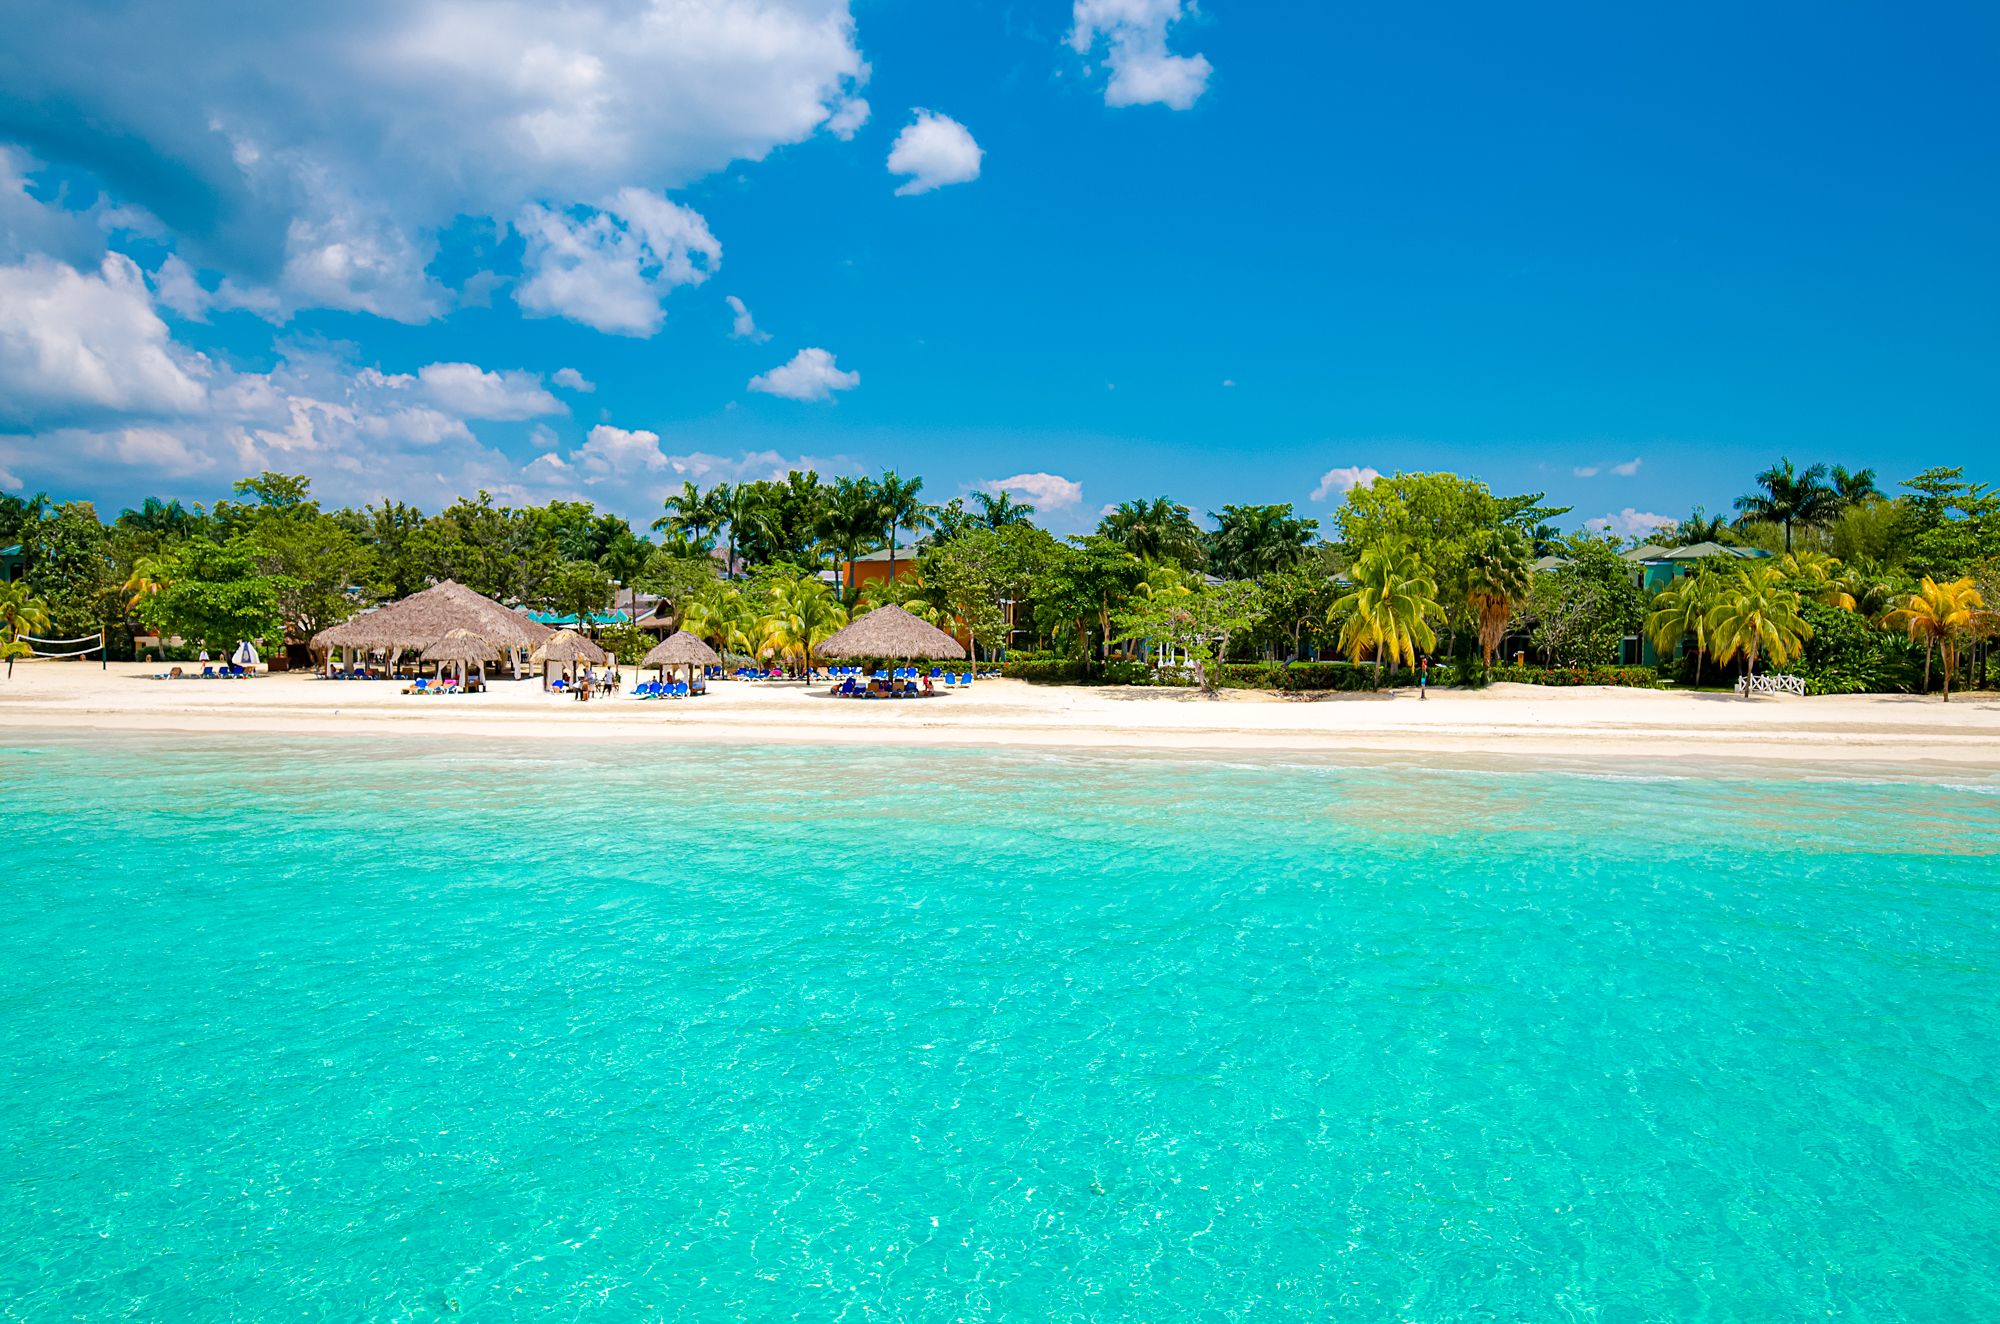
(13, 564)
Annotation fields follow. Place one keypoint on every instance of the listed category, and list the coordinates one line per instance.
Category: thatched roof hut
(425, 618)
(891, 632)
(462, 646)
(566, 647)
(681, 650)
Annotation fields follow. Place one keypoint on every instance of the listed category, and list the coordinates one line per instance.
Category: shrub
(1127, 673)
(627, 643)
(1299, 677)
(1048, 671)
(1637, 678)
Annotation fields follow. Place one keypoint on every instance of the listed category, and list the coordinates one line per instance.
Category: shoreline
(1586, 724)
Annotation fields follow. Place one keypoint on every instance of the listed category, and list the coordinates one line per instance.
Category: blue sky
(1229, 253)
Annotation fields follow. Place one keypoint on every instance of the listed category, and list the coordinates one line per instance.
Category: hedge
(1636, 678)
(1057, 671)
(1302, 676)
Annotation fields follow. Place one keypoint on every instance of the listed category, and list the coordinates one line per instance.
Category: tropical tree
(1681, 610)
(1941, 617)
(1200, 623)
(1756, 615)
(1853, 487)
(20, 613)
(902, 505)
(693, 515)
(1155, 530)
(801, 613)
(999, 509)
(1792, 498)
(851, 523)
(1499, 575)
(1256, 540)
(1389, 609)
(1820, 576)
(1698, 527)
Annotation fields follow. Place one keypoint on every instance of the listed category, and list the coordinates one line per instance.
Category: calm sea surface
(349, 1031)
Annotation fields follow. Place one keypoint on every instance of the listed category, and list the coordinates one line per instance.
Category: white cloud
(934, 150)
(811, 375)
(1143, 70)
(1622, 470)
(543, 437)
(1229, 381)
(1046, 491)
(744, 326)
(470, 390)
(847, 121)
(1631, 523)
(618, 453)
(10, 481)
(377, 123)
(179, 289)
(1344, 478)
(572, 380)
(612, 266)
(1627, 469)
(73, 344)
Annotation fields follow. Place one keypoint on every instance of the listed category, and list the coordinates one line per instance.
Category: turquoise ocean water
(346, 1031)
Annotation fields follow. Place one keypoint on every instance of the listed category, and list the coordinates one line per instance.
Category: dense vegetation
(1862, 591)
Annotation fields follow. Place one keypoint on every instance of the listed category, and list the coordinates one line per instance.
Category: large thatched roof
(422, 619)
(890, 632)
(681, 650)
(568, 646)
(462, 646)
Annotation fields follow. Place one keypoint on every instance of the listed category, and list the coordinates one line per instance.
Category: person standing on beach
(1423, 680)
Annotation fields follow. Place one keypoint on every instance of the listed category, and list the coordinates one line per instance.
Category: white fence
(1748, 685)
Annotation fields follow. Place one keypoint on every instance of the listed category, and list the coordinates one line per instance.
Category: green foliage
(1791, 498)
(1301, 677)
(1198, 623)
(1950, 525)
(575, 588)
(628, 643)
(1389, 611)
(674, 577)
(17, 513)
(1756, 616)
(1637, 678)
(1155, 530)
(71, 570)
(1054, 671)
(1583, 610)
(1846, 655)
(219, 593)
(1250, 541)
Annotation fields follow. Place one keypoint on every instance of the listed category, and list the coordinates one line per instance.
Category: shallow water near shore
(402, 1030)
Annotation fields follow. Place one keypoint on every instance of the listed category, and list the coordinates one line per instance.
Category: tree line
(1413, 565)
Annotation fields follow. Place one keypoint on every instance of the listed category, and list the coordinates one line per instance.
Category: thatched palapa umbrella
(681, 649)
(891, 632)
(465, 648)
(567, 648)
(423, 619)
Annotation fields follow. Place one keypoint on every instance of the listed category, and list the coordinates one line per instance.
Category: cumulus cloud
(1133, 34)
(74, 343)
(179, 289)
(1631, 523)
(1344, 478)
(1045, 491)
(619, 453)
(934, 150)
(1624, 469)
(811, 375)
(472, 391)
(612, 266)
(382, 121)
(572, 380)
(744, 326)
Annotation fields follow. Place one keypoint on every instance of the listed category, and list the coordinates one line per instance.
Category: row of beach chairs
(663, 689)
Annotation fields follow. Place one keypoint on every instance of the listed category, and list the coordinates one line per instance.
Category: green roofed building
(13, 564)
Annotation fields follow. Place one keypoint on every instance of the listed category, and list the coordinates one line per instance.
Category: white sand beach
(1546, 723)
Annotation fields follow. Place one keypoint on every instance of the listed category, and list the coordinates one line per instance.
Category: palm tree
(1791, 497)
(1391, 606)
(1250, 541)
(1853, 488)
(1682, 609)
(157, 516)
(1821, 574)
(1155, 530)
(1941, 616)
(1756, 614)
(802, 612)
(1498, 577)
(1698, 527)
(20, 613)
(999, 509)
(851, 523)
(903, 507)
(691, 516)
